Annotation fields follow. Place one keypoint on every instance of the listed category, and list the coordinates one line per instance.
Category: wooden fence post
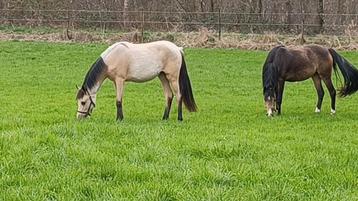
(302, 39)
(69, 37)
(142, 35)
(219, 23)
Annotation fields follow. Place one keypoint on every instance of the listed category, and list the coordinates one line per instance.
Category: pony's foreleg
(320, 92)
(332, 93)
(175, 87)
(119, 88)
(168, 95)
(280, 88)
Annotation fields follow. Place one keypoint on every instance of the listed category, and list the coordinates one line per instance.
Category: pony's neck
(93, 91)
(95, 77)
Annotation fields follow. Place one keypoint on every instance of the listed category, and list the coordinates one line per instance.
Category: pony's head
(85, 103)
(269, 80)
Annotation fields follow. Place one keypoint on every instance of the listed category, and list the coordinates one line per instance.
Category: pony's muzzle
(81, 116)
(269, 113)
(270, 107)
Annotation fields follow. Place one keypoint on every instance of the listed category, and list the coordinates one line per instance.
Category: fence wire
(280, 23)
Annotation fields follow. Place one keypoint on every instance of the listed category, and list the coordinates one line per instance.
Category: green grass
(229, 150)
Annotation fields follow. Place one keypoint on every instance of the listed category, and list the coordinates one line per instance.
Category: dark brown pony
(300, 63)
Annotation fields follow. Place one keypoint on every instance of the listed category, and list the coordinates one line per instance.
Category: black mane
(93, 74)
(270, 73)
(91, 77)
(270, 77)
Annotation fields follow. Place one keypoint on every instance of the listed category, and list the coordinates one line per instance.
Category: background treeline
(247, 16)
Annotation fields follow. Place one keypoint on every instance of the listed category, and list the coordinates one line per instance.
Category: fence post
(142, 35)
(219, 23)
(321, 15)
(68, 25)
(302, 39)
(102, 25)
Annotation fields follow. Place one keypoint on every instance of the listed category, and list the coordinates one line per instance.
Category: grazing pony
(300, 63)
(124, 61)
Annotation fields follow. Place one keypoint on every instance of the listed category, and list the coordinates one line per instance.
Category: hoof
(333, 112)
(317, 110)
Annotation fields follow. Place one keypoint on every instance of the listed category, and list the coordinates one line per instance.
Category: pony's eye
(83, 103)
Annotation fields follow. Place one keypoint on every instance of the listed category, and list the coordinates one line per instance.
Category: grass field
(229, 150)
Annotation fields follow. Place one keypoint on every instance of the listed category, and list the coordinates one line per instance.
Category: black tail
(349, 72)
(185, 88)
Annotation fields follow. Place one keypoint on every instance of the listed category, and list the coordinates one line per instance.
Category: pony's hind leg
(320, 92)
(332, 93)
(119, 88)
(167, 93)
(175, 86)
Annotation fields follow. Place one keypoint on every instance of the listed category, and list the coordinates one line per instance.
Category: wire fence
(219, 22)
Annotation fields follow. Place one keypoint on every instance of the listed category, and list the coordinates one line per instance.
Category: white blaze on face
(270, 106)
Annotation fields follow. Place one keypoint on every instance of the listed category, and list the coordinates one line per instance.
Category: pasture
(228, 150)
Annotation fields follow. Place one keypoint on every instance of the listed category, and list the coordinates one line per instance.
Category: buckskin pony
(124, 61)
